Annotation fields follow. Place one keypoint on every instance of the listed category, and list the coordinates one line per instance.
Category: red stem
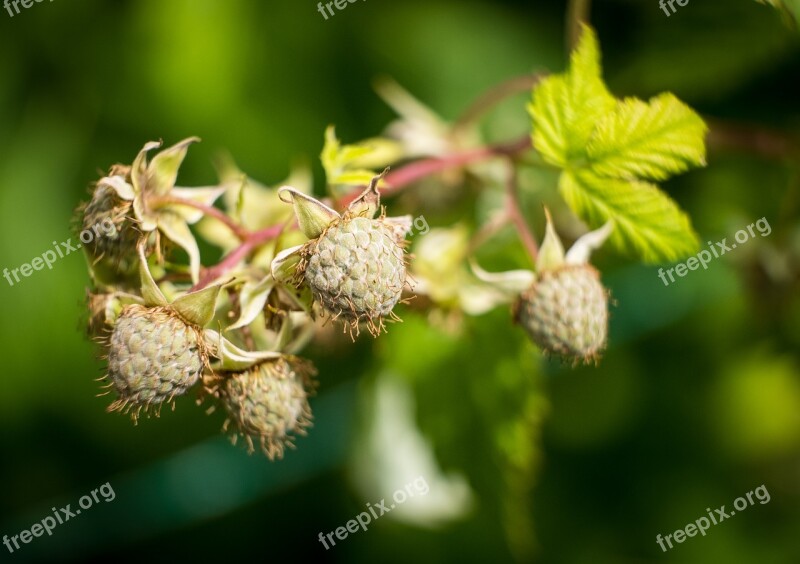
(514, 208)
(252, 241)
(210, 211)
(417, 170)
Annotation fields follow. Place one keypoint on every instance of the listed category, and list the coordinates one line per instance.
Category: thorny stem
(514, 209)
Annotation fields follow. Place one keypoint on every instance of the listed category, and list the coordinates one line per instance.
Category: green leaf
(343, 164)
(646, 220)
(607, 148)
(648, 140)
(566, 107)
(357, 177)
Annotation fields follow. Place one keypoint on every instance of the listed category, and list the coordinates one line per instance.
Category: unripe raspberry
(565, 312)
(108, 218)
(153, 357)
(268, 404)
(356, 270)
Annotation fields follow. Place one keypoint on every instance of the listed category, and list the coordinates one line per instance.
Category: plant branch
(409, 173)
(241, 233)
(237, 255)
(494, 96)
(751, 139)
(514, 209)
(577, 13)
(497, 223)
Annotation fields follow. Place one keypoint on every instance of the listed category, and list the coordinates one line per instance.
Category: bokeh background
(696, 402)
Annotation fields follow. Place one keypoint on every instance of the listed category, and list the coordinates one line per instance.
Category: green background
(696, 402)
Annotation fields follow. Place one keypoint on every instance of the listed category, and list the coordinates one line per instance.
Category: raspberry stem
(241, 233)
(405, 175)
(494, 96)
(233, 258)
(514, 210)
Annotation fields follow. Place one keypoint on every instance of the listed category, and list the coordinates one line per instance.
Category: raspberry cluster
(228, 331)
(231, 331)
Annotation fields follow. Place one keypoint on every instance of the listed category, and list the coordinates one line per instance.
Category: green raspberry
(153, 357)
(566, 313)
(268, 404)
(356, 270)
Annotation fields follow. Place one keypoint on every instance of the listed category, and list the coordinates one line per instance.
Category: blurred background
(696, 402)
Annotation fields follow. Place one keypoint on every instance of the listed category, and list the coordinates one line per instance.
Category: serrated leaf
(648, 140)
(646, 220)
(566, 107)
(353, 178)
(341, 162)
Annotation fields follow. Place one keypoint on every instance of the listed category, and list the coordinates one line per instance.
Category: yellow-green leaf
(648, 140)
(566, 107)
(646, 221)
